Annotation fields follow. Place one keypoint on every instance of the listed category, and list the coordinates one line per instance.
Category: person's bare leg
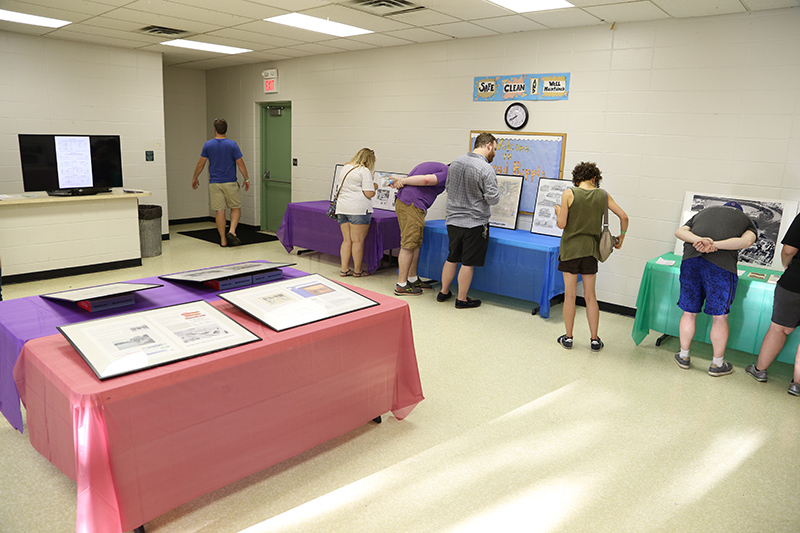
(570, 294)
(404, 260)
(773, 343)
(448, 275)
(719, 335)
(220, 220)
(358, 233)
(347, 246)
(464, 281)
(687, 328)
(592, 307)
(412, 270)
(236, 214)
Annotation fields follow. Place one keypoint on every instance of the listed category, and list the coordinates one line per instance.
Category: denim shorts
(354, 219)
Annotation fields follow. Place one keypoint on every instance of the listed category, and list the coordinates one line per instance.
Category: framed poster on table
(128, 343)
(99, 291)
(548, 196)
(337, 172)
(294, 302)
(504, 213)
(772, 217)
(530, 155)
(202, 275)
(385, 195)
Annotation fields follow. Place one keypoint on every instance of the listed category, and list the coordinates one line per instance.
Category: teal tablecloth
(657, 309)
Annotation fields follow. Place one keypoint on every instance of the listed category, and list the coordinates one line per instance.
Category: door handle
(266, 178)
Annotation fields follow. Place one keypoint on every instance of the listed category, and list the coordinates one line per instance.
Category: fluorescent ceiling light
(319, 25)
(205, 47)
(527, 6)
(23, 18)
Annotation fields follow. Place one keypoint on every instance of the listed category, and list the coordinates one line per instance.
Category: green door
(276, 163)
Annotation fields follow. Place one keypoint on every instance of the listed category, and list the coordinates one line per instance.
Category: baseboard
(611, 308)
(71, 271)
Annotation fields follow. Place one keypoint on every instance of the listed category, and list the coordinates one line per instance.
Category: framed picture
(504, 213)
(385, 195)
(772, 217)
(548, 196)
(226, 271)
(99, 291)
(124, 344)
(337, 172)
(530, 155)
(294, 302)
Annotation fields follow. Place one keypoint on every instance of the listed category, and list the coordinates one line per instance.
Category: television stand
(78, 192)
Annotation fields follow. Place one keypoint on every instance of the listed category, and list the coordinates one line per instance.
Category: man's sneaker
(468, 304)
(723, 370)
(408, 290)
(597, 344)
(441, 297)
(565, 341)
(794, 389)
(683, 363)
(758, 375)
(419, 284)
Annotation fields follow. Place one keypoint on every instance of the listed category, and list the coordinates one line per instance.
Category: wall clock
(516, 116)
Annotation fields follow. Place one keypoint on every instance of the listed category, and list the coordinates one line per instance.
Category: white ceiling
(394, 22)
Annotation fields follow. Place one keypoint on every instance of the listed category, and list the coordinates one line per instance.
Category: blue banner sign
(521, 87)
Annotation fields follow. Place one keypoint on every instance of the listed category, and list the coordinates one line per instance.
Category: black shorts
(468, 245)
(786, 308)
(581, 265)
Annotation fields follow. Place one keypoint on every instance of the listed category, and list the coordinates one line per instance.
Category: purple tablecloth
(306, 225)
(28, 318)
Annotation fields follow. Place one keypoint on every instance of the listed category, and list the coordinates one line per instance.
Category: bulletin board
(530, 155)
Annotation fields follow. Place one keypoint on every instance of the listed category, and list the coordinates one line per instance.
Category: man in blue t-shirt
(223, 156)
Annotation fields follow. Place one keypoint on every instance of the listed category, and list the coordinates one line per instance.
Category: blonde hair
(364, 158)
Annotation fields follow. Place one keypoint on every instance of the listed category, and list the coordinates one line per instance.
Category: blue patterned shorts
(701, 281)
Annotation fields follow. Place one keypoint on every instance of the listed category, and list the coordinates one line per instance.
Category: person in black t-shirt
(785, 311)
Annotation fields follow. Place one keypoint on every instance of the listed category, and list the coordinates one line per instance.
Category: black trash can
(150, 230)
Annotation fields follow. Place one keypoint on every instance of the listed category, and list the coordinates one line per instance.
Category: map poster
(504, 213)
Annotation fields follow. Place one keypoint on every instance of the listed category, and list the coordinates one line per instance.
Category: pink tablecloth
(142, 444)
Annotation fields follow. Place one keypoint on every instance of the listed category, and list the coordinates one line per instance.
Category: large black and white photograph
(337, 172)
(385, 194)
(123, 344)
(504, 213)
(548, 196)
(772, 218)
(99, 291)
(224, 271)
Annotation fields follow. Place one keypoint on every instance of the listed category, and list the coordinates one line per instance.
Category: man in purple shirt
(416, 193)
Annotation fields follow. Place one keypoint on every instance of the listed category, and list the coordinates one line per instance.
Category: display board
(385, 194)
(294, 302)
(548, 196)
(128, 343)
(772, 217)
(99, 291)
(202, 275)
(530, 155)
(337, 172)
(504, 213)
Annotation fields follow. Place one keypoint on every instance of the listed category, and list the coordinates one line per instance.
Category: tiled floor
(515, 434)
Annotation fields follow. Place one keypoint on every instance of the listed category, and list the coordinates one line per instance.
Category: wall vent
(386, 8)
(161, 30)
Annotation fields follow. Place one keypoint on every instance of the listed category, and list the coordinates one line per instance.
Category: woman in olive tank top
(580, 215)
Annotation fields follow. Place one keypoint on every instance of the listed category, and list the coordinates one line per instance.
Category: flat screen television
(65, 165)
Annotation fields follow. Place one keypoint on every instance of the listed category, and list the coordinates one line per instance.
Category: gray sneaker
(794, 389)
(408, 290)
(565, 341)
(683, 363)
(758, 375)
(723, 370)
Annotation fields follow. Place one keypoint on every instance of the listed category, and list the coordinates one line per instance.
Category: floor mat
(246, 234)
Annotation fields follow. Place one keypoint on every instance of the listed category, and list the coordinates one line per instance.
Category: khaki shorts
(225, 195)
(412, 224)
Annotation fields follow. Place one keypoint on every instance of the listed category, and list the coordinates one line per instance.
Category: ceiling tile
(509, 24)
(462, 30)
(630, 12)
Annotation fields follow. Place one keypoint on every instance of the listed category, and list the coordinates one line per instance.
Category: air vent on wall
(161, 30)
(386, 8)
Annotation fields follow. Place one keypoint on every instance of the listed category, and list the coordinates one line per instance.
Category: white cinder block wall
(664, 107)
(53, 86)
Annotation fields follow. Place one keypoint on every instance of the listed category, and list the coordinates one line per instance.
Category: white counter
(40, 233)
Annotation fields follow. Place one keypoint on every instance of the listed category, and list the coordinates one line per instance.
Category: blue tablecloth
(518, 263)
